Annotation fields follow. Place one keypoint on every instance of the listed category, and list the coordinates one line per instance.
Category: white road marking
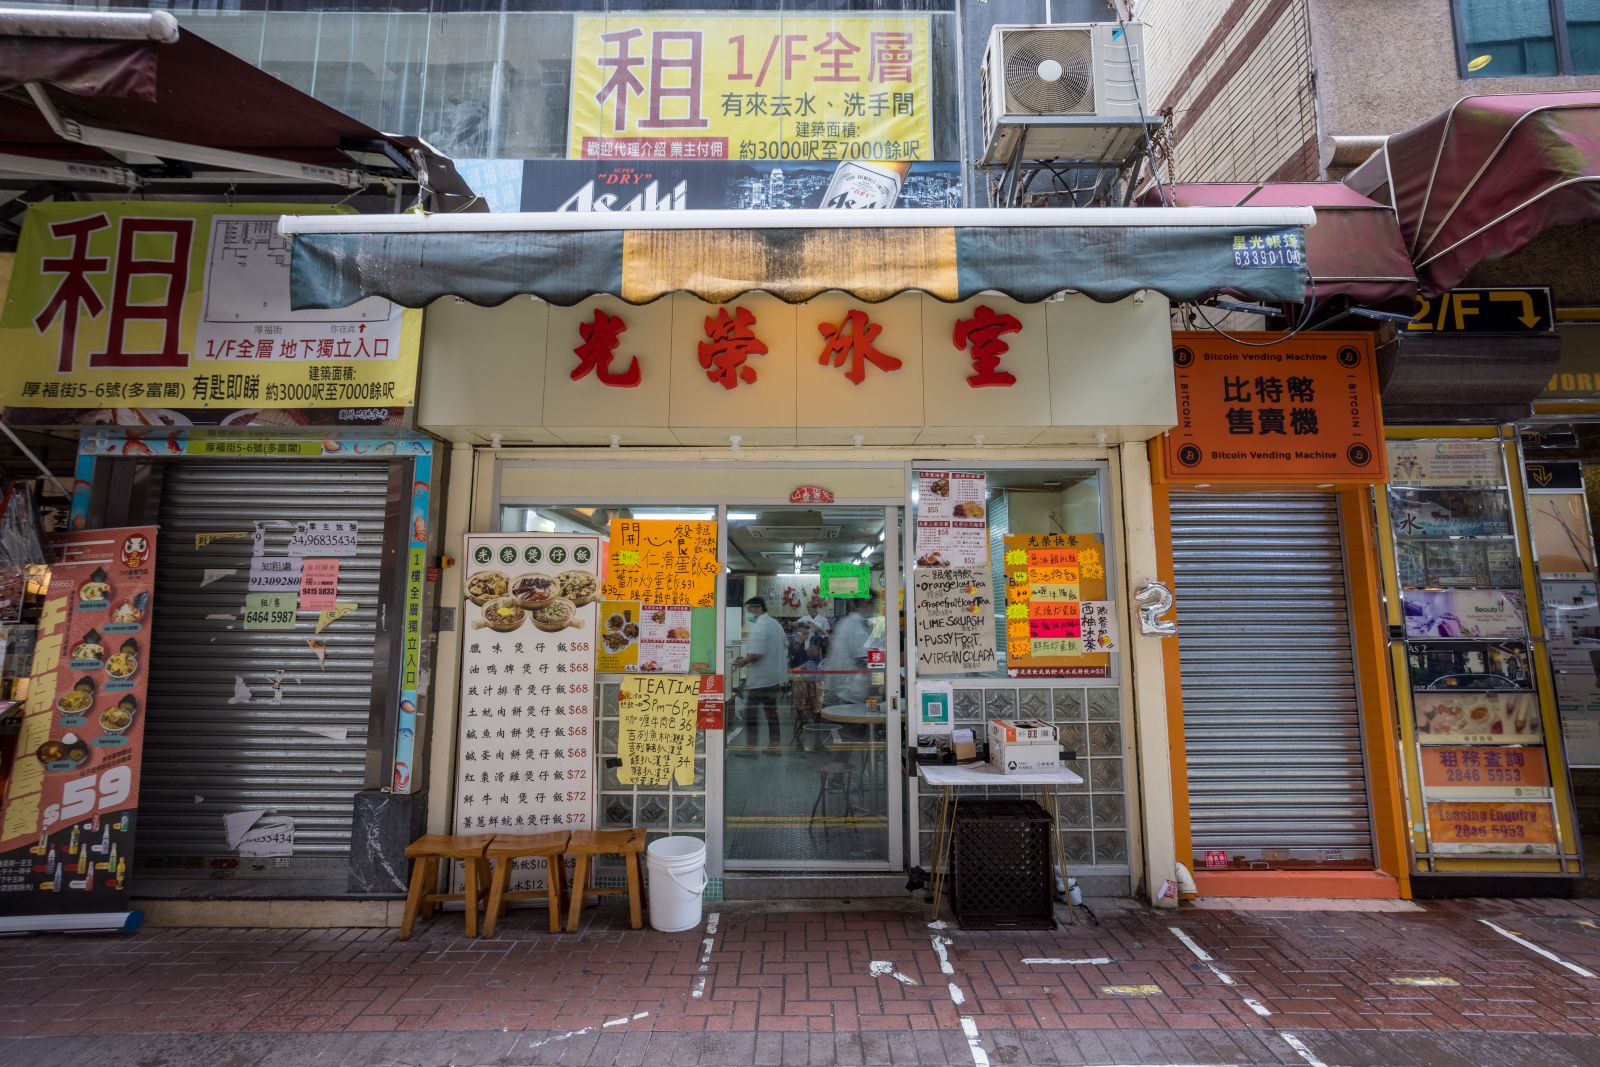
(970, 1028)
(939, 946)
(1051, 960)
(1300, 1047)
(1227, 979)
(1546, 953)
(699, 989)
(570, 1034)
(886, 969)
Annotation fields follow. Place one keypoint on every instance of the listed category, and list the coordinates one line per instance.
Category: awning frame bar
(921, 218)
(116, 141)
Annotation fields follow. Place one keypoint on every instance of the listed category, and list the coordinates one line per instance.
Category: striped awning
(1028, 255)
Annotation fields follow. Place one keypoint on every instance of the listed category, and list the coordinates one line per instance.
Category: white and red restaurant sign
(832, 371)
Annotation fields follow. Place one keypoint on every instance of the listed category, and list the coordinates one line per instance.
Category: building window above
(1527, 38)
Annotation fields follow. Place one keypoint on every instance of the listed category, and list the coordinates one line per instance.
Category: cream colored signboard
(830, 371)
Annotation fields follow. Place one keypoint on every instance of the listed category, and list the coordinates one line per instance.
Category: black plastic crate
(1002, 876)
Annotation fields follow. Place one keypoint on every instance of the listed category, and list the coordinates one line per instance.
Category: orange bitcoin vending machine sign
(1298, 410)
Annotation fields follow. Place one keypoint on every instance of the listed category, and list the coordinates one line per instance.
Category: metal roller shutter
(205, 757)
(1272, 727)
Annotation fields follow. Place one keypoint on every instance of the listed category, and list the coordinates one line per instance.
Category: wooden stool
(504, 852)
(625, 843)
(426, 852)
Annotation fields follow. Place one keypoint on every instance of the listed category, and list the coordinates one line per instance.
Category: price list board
(1058, 621)
(527, 722)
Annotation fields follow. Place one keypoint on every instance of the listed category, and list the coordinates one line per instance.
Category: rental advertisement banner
(66, 826)
(177, 314)
(751, 86)
(527, 714)
(1491, 828)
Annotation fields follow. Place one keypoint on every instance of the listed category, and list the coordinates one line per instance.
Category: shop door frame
(693, 475)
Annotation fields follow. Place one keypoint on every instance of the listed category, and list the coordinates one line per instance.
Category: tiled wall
(1093, 817)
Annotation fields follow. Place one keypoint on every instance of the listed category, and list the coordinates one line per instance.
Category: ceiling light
(865, 552)
(680, 515)
(799, 551)
(741, 516)
(880, 537)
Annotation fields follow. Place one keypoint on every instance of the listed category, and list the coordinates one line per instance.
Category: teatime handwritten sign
(659, 716)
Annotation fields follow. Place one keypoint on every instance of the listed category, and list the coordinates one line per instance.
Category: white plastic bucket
(677, 867)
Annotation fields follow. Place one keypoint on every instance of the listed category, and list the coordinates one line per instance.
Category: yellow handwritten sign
(657, 728)
(775, 86)
(662, 561)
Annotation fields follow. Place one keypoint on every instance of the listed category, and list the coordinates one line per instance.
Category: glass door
(813, 638)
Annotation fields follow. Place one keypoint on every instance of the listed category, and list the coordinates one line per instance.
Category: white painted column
(1157, 837)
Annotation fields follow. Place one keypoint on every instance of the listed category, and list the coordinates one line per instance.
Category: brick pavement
(786, 987)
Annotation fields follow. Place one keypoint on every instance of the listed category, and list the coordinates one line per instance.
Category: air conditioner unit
(1072, 90)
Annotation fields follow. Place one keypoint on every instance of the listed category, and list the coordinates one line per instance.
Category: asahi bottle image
(865, 183)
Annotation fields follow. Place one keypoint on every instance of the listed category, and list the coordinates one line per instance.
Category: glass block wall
(1092, 817)
(661, 809)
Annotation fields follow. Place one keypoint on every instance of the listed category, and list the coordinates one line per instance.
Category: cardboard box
(963, 746)
(1025, 759)
(1021, 732)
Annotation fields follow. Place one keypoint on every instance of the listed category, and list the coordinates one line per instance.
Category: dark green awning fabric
(951, 263)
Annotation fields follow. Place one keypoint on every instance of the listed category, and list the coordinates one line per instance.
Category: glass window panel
(1502, 38)
(1041, 500)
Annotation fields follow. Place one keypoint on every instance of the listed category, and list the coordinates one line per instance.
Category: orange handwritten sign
(1305, 409)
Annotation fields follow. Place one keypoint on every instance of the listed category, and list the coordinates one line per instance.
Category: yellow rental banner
(185, 306)
(751, 86)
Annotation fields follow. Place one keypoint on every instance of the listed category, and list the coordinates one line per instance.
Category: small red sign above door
(811, 494)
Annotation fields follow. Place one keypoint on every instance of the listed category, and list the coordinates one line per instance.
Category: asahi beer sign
(683, 185)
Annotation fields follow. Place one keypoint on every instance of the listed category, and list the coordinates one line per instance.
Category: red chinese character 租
(725, 356)
(74, 293)
(853, 340)
(599, 348)
(983, 333)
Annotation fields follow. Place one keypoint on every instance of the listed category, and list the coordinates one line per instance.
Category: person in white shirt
(766, 669)
(846, 681)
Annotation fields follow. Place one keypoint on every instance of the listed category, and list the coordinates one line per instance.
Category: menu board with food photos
(66, 824)
(527, 716)
(952, 522)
